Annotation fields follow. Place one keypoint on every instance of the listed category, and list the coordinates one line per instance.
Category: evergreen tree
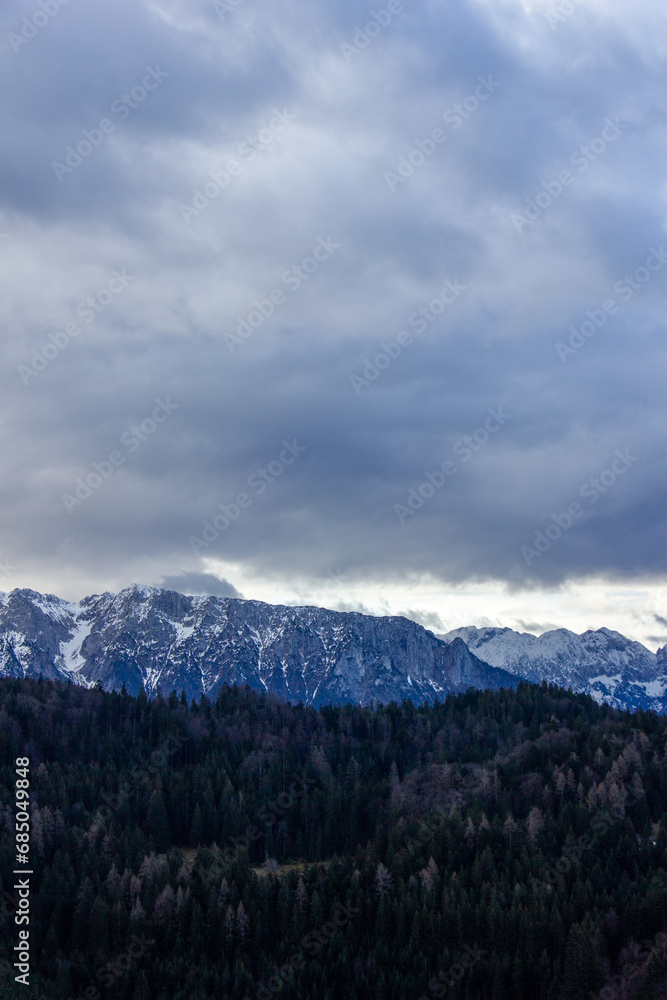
(157, 820)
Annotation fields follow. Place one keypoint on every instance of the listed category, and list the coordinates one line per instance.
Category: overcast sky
(313, 302)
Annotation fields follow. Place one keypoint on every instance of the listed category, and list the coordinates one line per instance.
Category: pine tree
(157, 821)
(580, 964)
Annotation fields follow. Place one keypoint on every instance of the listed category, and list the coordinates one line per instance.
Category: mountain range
(171, 642)
(602, 663)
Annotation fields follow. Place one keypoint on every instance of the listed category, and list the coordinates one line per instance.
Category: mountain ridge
(163, 640)
(602, 662)
(168, 641)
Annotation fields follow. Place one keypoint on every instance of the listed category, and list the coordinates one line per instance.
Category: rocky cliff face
(168, 642)
(601, 663)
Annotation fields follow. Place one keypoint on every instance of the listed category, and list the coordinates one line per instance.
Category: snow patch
(141, 589)
(55, 608)
(183, 632)
(70, 651)
(655, 689)
(152, 678)
(606, 681)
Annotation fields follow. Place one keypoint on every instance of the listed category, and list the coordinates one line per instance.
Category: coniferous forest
(499, 845)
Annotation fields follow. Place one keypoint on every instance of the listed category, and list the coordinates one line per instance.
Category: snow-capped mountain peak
(601, 662)
(167, 641)
(171, 642)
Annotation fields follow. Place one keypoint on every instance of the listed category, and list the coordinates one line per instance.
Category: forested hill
(502, 844)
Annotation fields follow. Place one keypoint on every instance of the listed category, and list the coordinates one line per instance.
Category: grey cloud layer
(348, 121)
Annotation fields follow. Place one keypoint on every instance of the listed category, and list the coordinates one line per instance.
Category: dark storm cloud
(252, 303)
(537, 627)
(200, 583)
(429, 619)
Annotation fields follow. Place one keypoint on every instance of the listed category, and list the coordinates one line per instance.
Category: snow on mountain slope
(601, 663)
(168, 642)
